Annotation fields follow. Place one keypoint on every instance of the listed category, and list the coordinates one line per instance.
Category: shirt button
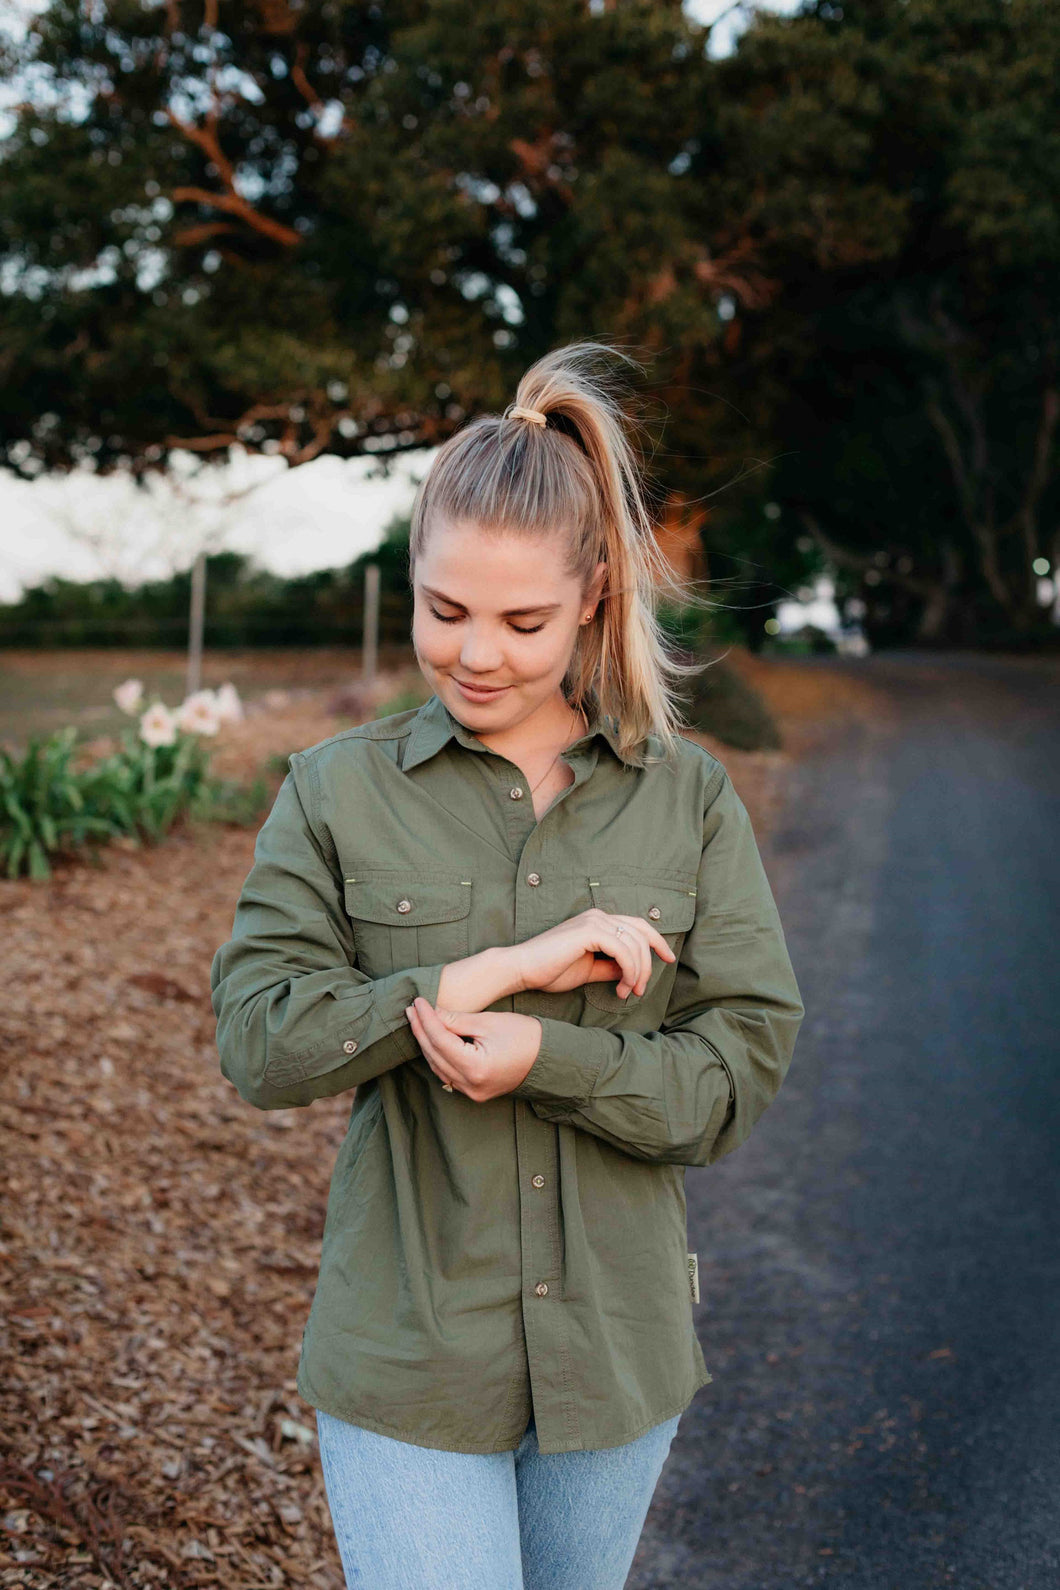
(516, 793)
(537, 1181)
(654, 913)
(534, 879)
(541, 1288)
(350, 1045)
(404, 905)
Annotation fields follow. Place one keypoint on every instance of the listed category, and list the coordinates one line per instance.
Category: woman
(529, 924)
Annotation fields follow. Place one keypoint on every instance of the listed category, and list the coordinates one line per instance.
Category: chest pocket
(670, 907)
(403, 918)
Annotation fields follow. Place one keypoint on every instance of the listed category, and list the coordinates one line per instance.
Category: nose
(479, 654)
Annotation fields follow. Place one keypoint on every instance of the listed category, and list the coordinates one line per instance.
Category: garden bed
(161, 1238)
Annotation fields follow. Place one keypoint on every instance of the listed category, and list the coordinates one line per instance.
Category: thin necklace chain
(554, 760)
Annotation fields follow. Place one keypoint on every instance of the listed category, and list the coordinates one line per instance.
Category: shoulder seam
(718, 774)
(701, 750)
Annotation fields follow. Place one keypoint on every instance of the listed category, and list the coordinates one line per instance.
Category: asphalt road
(880, 1262)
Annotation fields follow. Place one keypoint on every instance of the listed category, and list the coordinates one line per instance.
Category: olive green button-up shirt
(482, 1261)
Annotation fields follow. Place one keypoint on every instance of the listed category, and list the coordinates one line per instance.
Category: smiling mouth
(483, 689)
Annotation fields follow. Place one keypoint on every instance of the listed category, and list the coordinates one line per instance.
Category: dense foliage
(246, 606)
(339, 226)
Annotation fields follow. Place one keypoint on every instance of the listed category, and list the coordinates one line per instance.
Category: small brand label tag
(693, 1276)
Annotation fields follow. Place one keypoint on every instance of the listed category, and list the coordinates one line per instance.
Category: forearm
(478, 981)
(674, 1096)
(287, 1042)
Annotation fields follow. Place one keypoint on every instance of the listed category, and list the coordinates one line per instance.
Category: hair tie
(534, 415)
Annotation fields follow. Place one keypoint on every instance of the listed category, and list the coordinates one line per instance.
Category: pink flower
(129, 695)
(229, 706)
(198, 714)
(158, 725)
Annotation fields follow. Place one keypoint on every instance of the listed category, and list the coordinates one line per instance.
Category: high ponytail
(577, 474)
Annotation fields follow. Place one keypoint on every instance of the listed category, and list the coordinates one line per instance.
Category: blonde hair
(578, 475)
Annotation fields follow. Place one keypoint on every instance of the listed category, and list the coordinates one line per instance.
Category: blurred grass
(41, 691)
(45, 690)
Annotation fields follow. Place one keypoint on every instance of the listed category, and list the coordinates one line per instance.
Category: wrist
(503, 971)
(479, 980)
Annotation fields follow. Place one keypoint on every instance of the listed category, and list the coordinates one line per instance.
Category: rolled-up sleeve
(692, 1091)
(296, 1019)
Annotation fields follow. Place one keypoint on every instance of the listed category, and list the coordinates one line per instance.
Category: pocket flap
(401, 899)
(670, 907)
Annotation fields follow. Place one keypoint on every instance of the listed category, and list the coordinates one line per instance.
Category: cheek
(432, 642)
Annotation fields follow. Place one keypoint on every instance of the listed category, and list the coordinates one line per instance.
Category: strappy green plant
(44, 807)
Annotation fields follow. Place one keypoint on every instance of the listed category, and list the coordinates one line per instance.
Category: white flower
(197, 713)
(158, 725)
(229, 706)
(129, 695)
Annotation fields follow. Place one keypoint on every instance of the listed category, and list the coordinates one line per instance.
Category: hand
(562, 957)
(504, 1048)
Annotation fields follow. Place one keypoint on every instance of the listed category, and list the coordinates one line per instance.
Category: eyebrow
(511, 612)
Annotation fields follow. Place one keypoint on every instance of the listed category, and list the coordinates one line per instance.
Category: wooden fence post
(370, 638)
(196, 622)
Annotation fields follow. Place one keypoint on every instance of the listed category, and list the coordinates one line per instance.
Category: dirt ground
(160, 1238)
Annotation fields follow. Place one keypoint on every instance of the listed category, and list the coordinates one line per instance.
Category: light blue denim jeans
(415, 1518)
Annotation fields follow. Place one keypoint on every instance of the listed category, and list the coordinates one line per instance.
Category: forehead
(492, 568)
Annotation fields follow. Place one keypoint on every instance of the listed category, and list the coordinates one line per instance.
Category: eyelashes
(456, 619)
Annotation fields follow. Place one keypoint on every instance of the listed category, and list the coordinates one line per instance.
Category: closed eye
(455, 619)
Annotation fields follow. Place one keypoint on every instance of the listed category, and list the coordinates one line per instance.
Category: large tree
(332, 226)
(895, 164)
(336, 226)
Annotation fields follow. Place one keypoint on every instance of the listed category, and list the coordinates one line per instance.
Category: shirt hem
(379, 1427)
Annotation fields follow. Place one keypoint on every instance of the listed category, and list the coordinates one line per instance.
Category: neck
(568, 724)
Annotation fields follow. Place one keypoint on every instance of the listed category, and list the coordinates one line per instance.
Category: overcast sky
(321, 515)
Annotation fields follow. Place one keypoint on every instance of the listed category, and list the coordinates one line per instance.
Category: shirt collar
(434, 726)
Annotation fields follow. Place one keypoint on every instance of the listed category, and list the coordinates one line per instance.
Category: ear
(596, 583)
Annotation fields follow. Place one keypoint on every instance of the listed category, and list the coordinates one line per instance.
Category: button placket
(541, 1247)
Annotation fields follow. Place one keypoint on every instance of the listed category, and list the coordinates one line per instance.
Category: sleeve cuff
(567, 1064)
(391, 994)
(366, 1015)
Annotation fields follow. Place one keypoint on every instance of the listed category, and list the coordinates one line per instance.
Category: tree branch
(861, 562)
(1040, 472)
(234, 204)
(951, 446)
(206, 138)
(191, 236)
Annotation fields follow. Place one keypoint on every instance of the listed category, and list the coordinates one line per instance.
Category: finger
(643, 954)
(431, 1053)
(652, 939)
(466, 1023)
(624, 948)
(655, 938)
(448, 1044)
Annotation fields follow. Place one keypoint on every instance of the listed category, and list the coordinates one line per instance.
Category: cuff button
(350, 1045)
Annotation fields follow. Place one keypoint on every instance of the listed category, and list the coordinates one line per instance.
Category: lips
(482, 690)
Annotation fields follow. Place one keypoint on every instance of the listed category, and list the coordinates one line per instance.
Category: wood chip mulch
(160, 1238)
